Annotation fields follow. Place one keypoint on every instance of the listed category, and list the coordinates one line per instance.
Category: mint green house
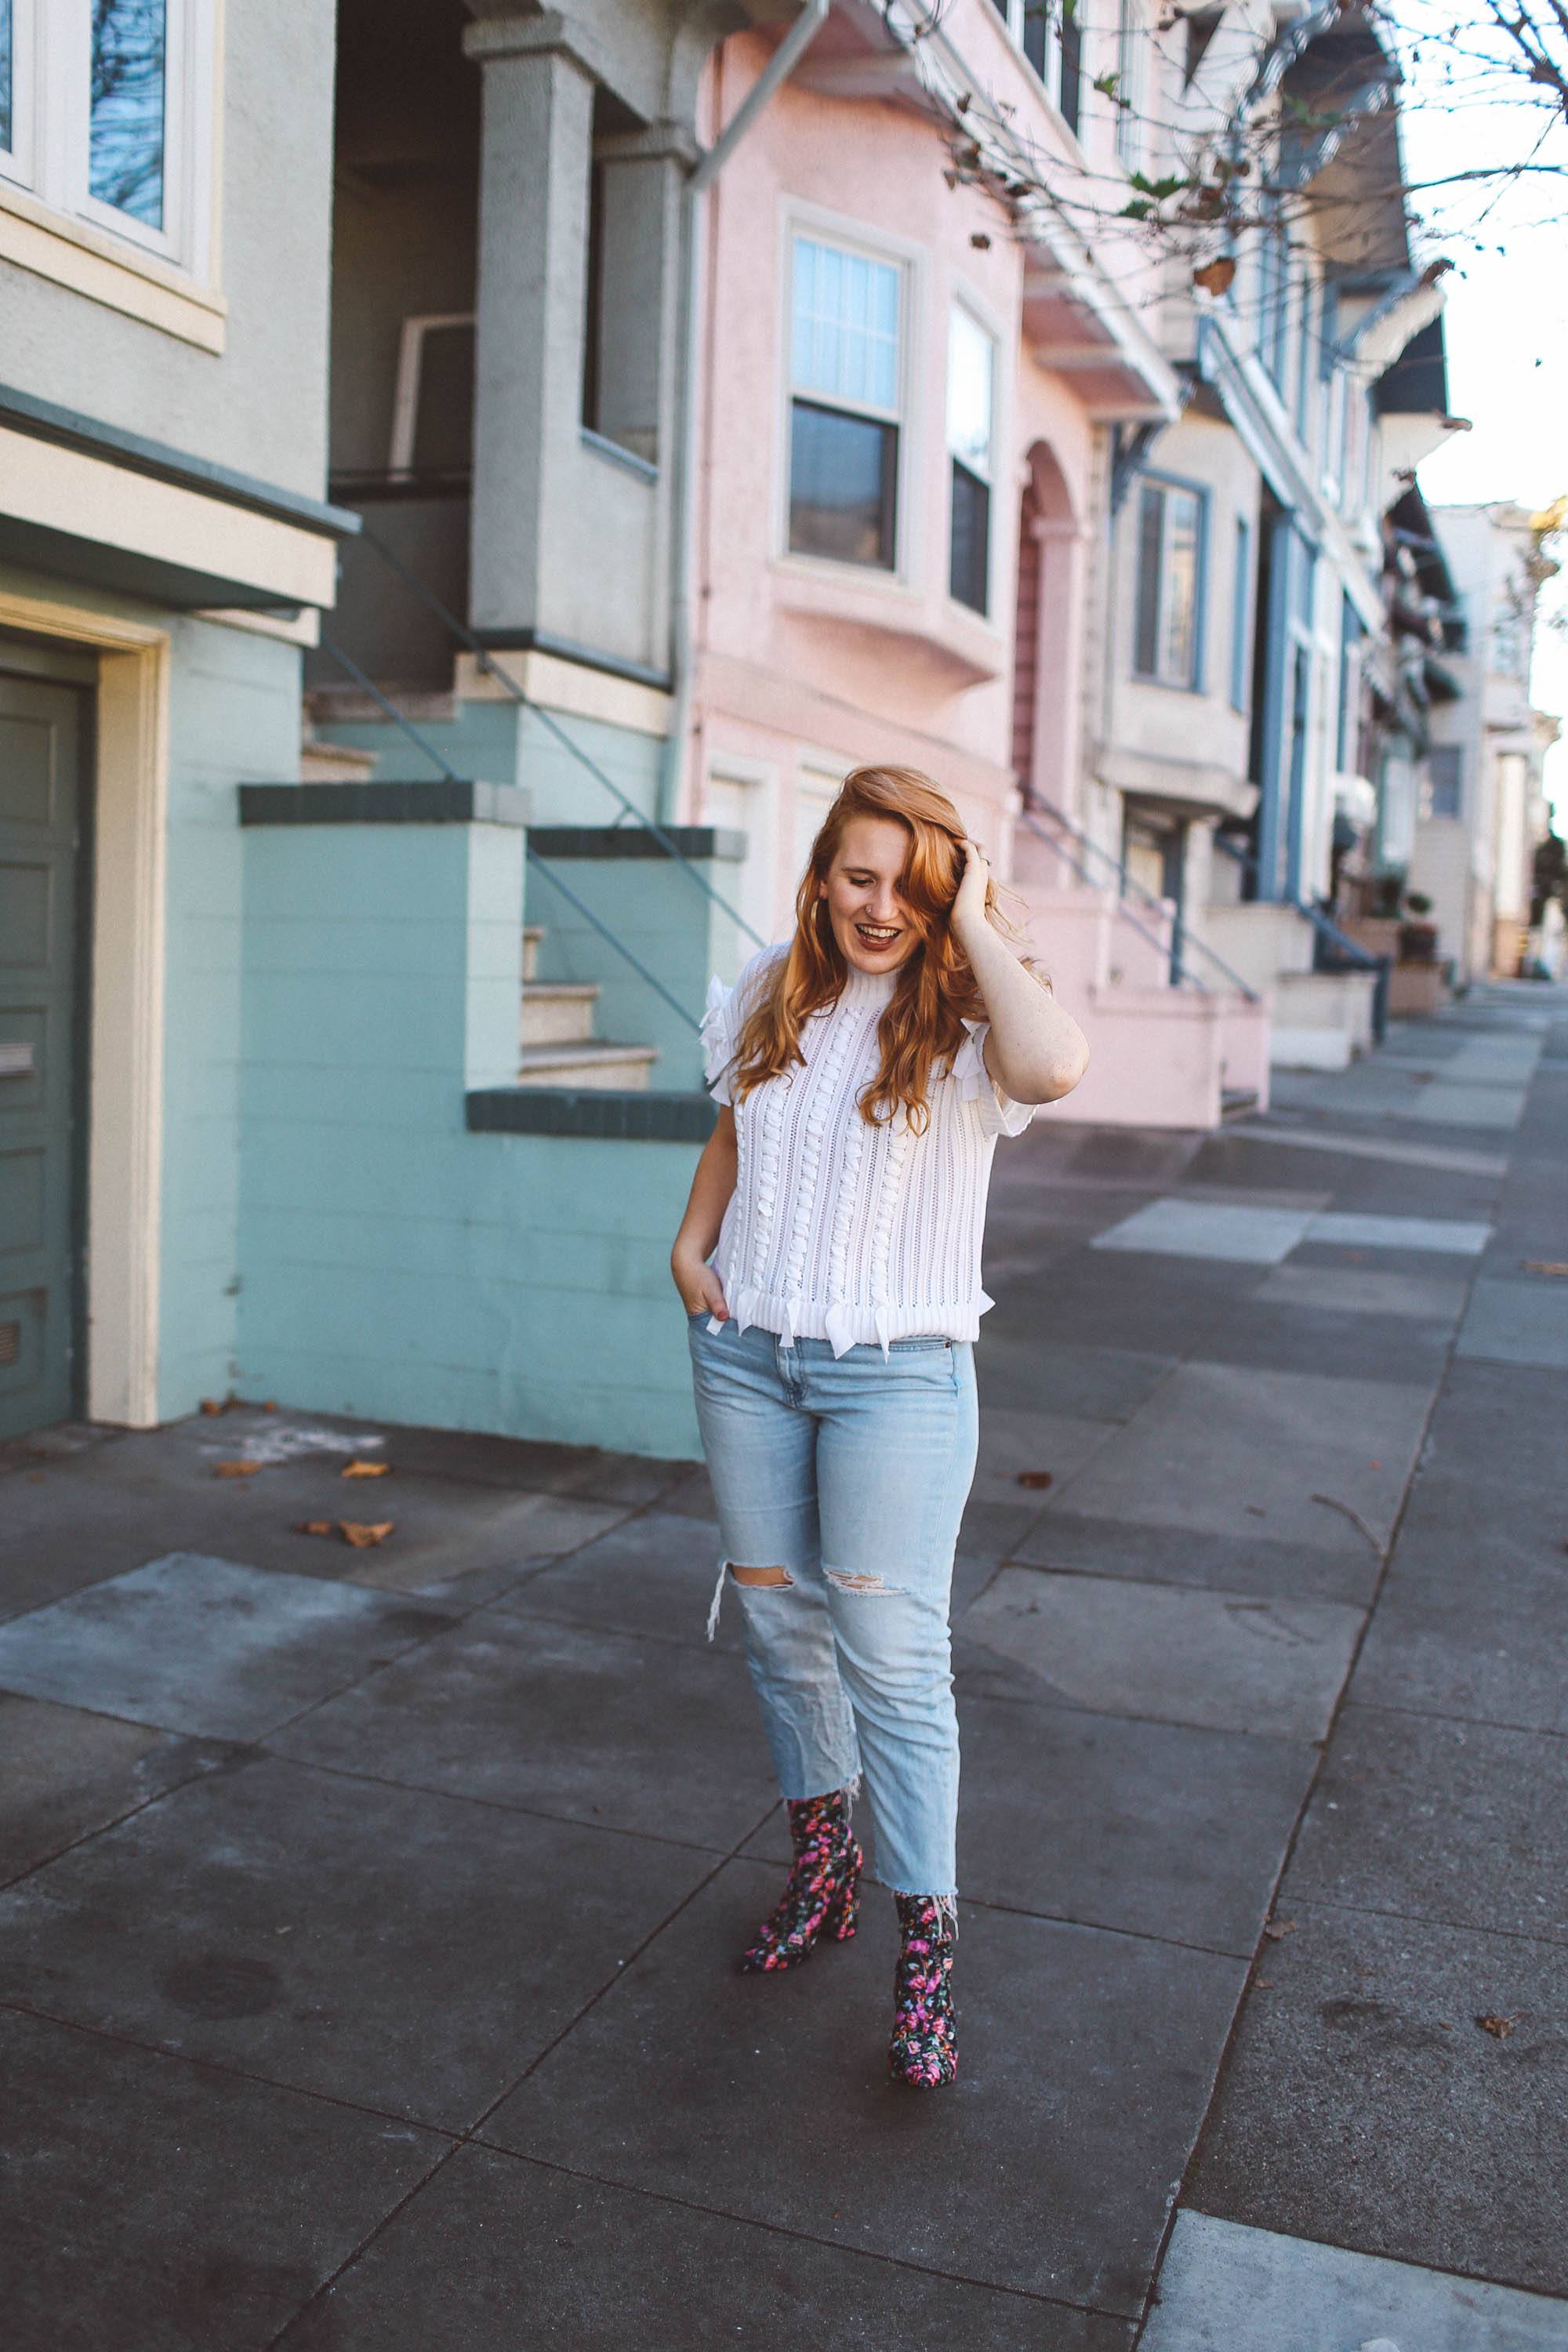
(346, 1057)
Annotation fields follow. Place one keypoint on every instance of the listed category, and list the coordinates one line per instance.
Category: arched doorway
(1047, 636)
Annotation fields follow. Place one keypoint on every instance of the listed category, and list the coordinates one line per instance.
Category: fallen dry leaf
(236, 1469)
(312, 1527)
(358, 1469)
(1500, 2027)
(1034, 1477)
(355, 1532)
(1279, 1927)
(211, 1405)
(269, 1404)
(1545, 1265)
(1216, 277)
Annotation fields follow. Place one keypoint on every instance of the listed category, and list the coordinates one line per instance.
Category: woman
(829, 1264)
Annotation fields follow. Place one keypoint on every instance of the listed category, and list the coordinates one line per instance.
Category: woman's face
(871, 920)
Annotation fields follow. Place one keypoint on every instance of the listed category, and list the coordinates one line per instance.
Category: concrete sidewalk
(369, 1915)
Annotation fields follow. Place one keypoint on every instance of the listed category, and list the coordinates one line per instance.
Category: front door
(42, 740)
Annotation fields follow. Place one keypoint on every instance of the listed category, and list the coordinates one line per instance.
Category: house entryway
(45, 732)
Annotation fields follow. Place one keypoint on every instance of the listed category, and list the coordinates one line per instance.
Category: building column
(535, 146)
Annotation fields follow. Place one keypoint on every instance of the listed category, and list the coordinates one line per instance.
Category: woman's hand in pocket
(702, 1292)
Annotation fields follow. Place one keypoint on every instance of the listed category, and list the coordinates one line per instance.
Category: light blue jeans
(851, 1475)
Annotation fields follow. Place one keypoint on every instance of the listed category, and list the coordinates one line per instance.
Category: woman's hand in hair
(969, 907)
(1035, 1052)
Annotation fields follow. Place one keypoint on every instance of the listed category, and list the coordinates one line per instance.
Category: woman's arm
(1035, 1052)
(711, 1187)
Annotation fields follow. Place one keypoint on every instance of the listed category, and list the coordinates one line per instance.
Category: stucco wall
(395, 1265)
(261, 407)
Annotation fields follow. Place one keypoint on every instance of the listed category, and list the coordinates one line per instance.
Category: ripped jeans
(851, 1475)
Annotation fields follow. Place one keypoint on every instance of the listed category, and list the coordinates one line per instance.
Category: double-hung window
(971, 409)
(1169, 602)
(846, 390)
(105, 109)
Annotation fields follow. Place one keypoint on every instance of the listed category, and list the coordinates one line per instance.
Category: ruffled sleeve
(723, 1016)
(999, 1114)
(718, 1042)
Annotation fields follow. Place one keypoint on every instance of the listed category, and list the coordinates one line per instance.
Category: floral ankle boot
(923, 2051)
(823, 1890)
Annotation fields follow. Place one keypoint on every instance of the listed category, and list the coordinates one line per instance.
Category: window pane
(969, 564)
(1240, 612)
(1443, 761)
(1178, 618)
(842, 476)
(970, 361)
(7, 53)
(126, 168)
(846, 326)
(1146, 633)
(1071, 71)
(1037, 32)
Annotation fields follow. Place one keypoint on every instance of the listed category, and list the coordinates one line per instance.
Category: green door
(41, 743)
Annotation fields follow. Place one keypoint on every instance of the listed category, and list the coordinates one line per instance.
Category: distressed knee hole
(844, 1582)
(760, 1575)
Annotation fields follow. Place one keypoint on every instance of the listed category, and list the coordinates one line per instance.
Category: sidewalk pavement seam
(1311, 1898)
(1315, 1779)
(801, 2237)
(11, 2006)
(470, 2136)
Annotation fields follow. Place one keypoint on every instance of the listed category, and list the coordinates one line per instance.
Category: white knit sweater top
(838, 1230)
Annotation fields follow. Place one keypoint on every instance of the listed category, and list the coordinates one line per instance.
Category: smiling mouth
(878, 935)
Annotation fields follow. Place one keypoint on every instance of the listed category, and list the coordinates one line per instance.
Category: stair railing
(1129, 885)
(492, 668)
(1332, 950)
(540, 865)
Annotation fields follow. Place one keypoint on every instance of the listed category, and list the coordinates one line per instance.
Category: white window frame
(814, 221)
(962, 306)
(410, 374)
(52, 110)
(1170, 486)
(1013, 17)
(1127, 129)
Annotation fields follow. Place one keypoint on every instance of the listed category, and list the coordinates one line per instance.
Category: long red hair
(934, 990)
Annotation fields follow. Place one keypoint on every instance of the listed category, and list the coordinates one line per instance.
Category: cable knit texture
(838, 1231)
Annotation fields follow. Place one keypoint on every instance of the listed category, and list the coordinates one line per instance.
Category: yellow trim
(91, 262)
(569, 686)
(125, 1142)
(93, 498)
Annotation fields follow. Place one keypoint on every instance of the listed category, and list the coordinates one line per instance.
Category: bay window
(971, 403)
(1169, 598)
(846, 394)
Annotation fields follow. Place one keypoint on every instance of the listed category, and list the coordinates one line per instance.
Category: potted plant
(1417, 939)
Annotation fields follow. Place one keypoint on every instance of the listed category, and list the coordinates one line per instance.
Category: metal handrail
(542, 863)
(1124, 911)
(492, 668)
(1189, 938)
(1327, 933)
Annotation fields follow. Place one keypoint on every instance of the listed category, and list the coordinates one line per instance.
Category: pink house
(912, 394)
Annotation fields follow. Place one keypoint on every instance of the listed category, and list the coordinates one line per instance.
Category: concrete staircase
(556, 1045)
(1322, 1020)
(1184, 1058)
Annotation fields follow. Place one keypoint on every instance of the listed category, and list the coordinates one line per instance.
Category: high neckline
(867, 988)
